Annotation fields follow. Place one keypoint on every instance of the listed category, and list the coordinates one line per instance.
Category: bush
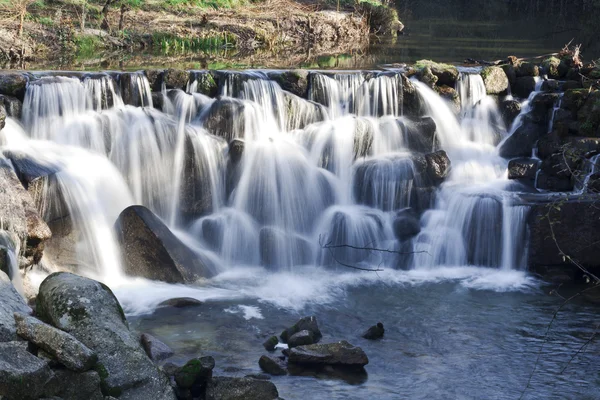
(381, 18)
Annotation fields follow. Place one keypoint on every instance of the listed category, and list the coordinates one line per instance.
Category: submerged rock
(90, 312)
(375, 332)
(495, 80)
(62, 346)
(225, 388)
(10, 303)
(272, 365)
(341, 353)
(305, 324)
(181, 302)
(156, 350)
(152, 251)
(22, 375)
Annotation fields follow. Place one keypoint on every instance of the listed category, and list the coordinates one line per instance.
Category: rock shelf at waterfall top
(169, 225)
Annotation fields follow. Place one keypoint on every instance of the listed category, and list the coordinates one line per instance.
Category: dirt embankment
(271, 28)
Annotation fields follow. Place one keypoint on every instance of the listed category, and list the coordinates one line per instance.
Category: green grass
(169, 43)
(87, 45)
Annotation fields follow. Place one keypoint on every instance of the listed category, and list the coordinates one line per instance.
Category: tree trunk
(104, 13)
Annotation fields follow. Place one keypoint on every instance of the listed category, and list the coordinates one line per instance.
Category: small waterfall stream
(319, 182)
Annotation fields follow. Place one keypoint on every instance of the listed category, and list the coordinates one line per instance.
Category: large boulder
(554, 67)
(62, 346)
(406, 224)
(205, 83)
(495, 80)
(152, 251)
(13, 85)
(89, 311)
(341, 354)
(224, 388)
(23, 376)
(564, 227)
(19, 215)
(510, 109)
(275, 243)
(527, 69)
(438, 166)
(10, 303)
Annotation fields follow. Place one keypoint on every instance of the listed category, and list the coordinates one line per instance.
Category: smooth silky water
(463, 317)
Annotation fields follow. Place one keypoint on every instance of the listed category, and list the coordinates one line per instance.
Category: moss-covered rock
(554, 67)
(90, 312)
(206, 84)
(574, 99)
(294, 81)
(495, 80)
(176, 78)
(270, 343)
(527, 69)
(426, 76)
(588, 115)
(196, 372)
(446, 74)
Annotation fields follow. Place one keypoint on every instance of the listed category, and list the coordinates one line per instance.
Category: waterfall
(312, 182)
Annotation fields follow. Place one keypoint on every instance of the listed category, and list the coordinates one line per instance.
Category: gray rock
(375, 332)
(13, 85)
(69, 385)
(196, 372)
(12, 106)
(181, 302)
(341, 353)
(272, 365)
(510, 109)
(89, 311)
(527, 69)
(176, 78)
(10, 302)
(272, 240)
(19, 215)
(495, 80)
(421, 135)
(301, 338)
(522, 141)
(152, 251)
(224, 388)
(306, 323)
(156, 350)
(225, 119)
(22, 375)
(270, 343)
(294, 81)
(67, 350)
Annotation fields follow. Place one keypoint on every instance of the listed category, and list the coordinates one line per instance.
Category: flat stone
(341, 353)
(225, 388)
(62, 346)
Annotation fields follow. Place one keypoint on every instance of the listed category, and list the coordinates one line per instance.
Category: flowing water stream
(319, 184)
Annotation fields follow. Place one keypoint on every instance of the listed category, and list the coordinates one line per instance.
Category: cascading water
(318, 182)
